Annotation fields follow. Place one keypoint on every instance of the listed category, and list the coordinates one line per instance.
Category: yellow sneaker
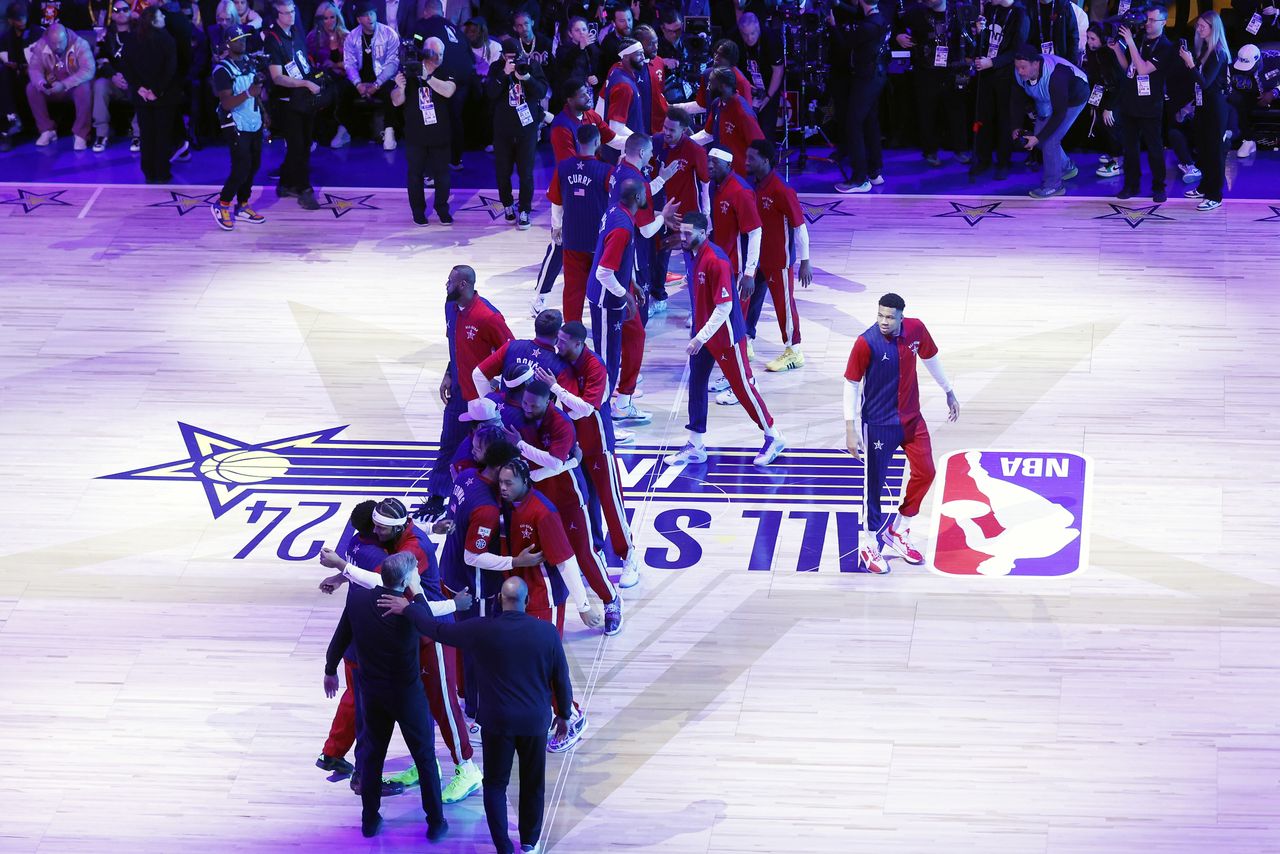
(408, 777)
(751, 350)
(788, 361)
(466, 781)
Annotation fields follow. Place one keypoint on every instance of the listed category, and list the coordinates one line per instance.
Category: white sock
(794, 348)
(902, 524)
(466, 765)
(695, 439)
(771, 432)
(624, 400)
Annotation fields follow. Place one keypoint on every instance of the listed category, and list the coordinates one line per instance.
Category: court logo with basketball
(1016, 513)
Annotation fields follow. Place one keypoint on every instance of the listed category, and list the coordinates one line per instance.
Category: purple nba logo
(1011, 513)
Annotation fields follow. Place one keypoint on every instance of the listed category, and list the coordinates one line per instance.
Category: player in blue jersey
(882, 413)
(579, 196)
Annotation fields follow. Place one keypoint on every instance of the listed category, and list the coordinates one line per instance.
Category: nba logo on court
(1011, 513)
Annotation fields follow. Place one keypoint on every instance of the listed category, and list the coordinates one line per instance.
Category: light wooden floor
(159, 695)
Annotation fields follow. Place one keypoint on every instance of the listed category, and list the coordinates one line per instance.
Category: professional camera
(523, 64)
(261, 64)
(411, 56)
(1135, 19)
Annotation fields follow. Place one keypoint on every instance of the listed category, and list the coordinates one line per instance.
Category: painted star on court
(974, 214)
(30, 201)
(185, 204)
(341, 205)
(1134, 217)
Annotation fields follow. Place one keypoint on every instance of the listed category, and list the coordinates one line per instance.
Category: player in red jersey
(882, 397)
(585, 401)
(720, 339)
(531, 521)
(731, 123)
(688, 186)
(736, 229)
(724, 55)
(785, 238)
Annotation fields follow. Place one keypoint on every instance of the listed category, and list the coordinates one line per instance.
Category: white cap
(721, 154)
(480, 409)
(1247, 57)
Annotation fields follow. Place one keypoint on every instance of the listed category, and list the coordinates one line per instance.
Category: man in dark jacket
(515, 89)
(457, 63)
(390, 688)
(523, 665)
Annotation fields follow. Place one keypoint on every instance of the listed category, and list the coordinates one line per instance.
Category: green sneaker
(407, 777)
(466, 781)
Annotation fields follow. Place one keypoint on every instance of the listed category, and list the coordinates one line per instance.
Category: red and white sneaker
(870, 558)
(896, 543)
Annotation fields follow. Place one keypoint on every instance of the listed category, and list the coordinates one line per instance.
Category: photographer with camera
(1000, 31)
(1146, 60)
(515, 86)
(237, 81)
(426, 87)
(371, 57)
(760, 60)
(933, 34)
(456, 61)
(1105, 77)
(1057, 92)
(294, 103)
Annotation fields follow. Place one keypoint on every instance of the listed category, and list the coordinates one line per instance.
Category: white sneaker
(658, 306)
(49, 137)
(877, 180)
(899, 543)
(719, 384)
(632, 414)
(773, 448)
(623, 437)
(577, 726)
(538, 305)
(869, 556)
(1247, 148)
(727, 398)
(630, 573)
(135, 145)
(388, 139)
(81, 144)
(340, 139)
(690, 454)
(864, 187)
(99, 145)
(688, 322)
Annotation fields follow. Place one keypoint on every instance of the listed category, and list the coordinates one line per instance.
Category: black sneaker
(444, 217)
(183, 154)
(389, 789)
(523, 224)
(6, 143)
(286, 192)
(1001, 172)
(436, 832)
(334, 765)
(420, 219)
(307, 200)
(371, 826)
(510, 214)
(1159, 197)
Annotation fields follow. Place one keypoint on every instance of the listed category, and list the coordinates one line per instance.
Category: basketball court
(189, 415)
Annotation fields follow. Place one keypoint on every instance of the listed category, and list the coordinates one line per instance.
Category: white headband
(721, 154)
(389, 521)
(630, 49)
(512, 382)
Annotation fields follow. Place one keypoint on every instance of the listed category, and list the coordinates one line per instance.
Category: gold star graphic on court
(813, 211)
(1275, 215)
(1134, 217)
(185, 204)
(493, 207)
(30, 201)
(341, 205)
(974, 214)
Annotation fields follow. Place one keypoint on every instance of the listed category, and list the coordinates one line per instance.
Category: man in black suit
(390, 689)
(522, 664)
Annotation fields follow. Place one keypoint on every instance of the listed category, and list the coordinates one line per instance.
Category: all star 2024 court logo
(1015, 513)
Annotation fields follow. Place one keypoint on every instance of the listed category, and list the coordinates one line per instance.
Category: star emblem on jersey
(1275, 214)
(493, 207)
(974, 214)
(185, 204)
(471, 333)
(526, 531)
(814, 211)
(878, 445)
(341, 206)
(30, 201)
(1134, 217)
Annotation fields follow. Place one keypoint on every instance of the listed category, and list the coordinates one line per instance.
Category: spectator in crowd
(14, 41)
(1001, 30)
(151, 67)
(293, 112)
(110, 86)
(579, 56)
(532, 43)
(621, 22)
(456, 62)
(723, 55)
(249, 17)
(1255, 82)
(427, 131)
(325, 47)
(1052, 28)
(1104, 93)
(61, 70)
(485, 49)
(371, 57)
(1057, 92)
(235, 80)
(937, 61)
(516, 92)
(760, 61)
(1209, 67)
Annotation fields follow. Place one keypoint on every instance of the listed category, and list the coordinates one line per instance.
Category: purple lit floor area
(190, 414)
